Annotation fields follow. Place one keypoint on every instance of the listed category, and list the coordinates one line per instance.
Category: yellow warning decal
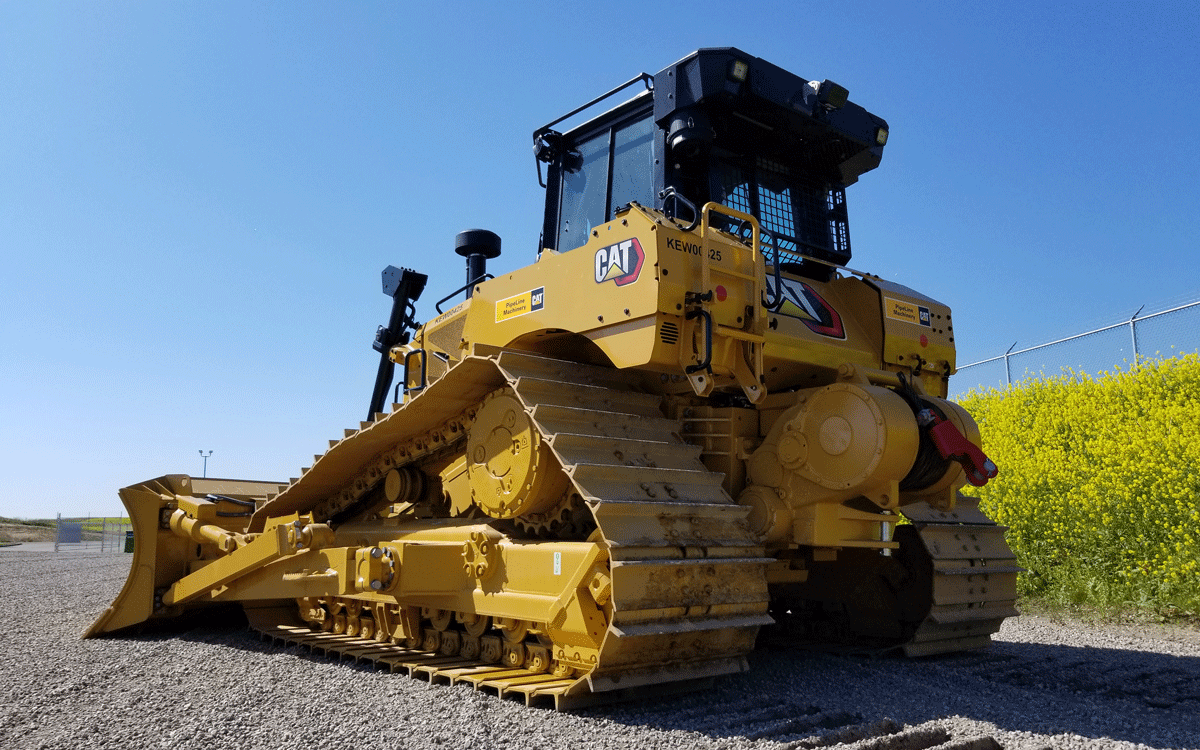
(521, 304)
(907, 312)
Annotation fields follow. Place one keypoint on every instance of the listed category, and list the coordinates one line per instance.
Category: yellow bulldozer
(686, 425)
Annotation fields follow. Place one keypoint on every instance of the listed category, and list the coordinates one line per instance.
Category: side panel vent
(669, 333)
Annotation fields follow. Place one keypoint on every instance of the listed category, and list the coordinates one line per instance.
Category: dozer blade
(160, 557)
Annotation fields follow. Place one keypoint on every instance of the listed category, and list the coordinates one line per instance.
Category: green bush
(1100, 484)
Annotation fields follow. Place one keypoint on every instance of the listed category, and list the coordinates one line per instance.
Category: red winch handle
(953, 445)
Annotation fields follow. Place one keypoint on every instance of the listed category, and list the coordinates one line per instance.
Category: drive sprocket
(511, 470)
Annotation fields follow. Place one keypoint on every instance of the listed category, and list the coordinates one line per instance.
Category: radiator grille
(446, 338)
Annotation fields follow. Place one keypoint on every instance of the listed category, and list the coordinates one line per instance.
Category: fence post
(1133, 334)
(1007, 369)
(57, 531)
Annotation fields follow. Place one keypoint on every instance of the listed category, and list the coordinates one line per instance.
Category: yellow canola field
(1100, 483)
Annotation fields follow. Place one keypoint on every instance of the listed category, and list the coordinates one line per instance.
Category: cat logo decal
(620, 263)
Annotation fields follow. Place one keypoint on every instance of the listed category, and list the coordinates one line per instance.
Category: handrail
(404, 380)
(747, 368)
(705, 364)
(759, 280)
(464, 287)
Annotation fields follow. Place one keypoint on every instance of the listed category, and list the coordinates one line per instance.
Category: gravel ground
(1041, 685)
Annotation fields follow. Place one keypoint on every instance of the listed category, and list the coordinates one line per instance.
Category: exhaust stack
(476, 245)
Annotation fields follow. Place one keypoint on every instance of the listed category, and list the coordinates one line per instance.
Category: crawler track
(972, 578)
(688, 588)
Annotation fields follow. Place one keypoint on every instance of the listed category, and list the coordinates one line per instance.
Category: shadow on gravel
(1135, 696)
(221, 618)
(814, 699)
(224, 626)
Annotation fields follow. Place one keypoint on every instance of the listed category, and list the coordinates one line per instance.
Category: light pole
(205, 457)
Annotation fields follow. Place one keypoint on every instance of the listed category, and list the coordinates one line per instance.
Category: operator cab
(720, 126)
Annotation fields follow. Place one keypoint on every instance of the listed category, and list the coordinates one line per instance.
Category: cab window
(605, 171)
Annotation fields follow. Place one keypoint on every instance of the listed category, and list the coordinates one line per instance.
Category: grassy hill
(14, 530)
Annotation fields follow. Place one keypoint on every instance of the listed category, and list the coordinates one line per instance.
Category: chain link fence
(96, 534)
(1166, 333)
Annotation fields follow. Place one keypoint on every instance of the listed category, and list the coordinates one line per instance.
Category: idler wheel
(439, 618)
(514, 631)
(474, 624)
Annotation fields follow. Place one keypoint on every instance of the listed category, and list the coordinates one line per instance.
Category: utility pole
(205, 457)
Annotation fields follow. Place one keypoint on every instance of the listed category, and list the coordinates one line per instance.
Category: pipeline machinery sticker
(802, 301)
(620, 263)
(521, 304)
(907, 312)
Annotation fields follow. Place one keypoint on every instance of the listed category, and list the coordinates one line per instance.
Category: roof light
(738, 70)
(831, 95)
(881, 135)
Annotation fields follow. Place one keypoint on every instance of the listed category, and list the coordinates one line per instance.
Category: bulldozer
(687, 427)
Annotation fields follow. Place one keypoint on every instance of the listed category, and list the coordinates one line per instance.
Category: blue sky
(196, 198)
